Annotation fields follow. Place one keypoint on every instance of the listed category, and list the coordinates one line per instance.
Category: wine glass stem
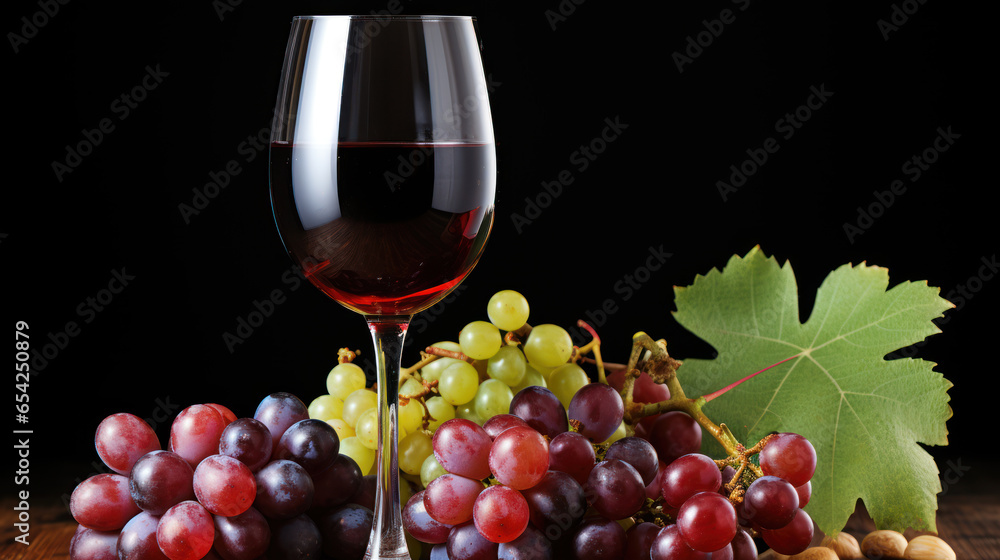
(387, 539)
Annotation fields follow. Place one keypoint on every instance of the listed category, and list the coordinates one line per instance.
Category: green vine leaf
(864, 414)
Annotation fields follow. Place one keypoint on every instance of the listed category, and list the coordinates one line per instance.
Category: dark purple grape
(669, 545)
(637, 452)
(284, 490)
(297, 538)
(137, 540)
(345, 531)
(573, 454)
(674, 434)
(743, 546)
(365, 494)
(335, 485)
(465, 543)
(242, 537)
(556, 504)
(439, 552)
(88, 544)
(531, 545)
(422, 526)
(615, 489)
(161, 480)
(770, 502)
(599, 539)
(248, 440)
(639, 540)
(599, 410)
(725, 477)
(724, 553)
(278, 411)
(312, 443)
(541, 409)
(496, 425)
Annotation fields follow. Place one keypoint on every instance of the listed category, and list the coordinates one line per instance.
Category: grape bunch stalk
(514, 451)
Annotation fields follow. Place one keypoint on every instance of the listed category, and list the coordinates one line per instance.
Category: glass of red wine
(383, 174)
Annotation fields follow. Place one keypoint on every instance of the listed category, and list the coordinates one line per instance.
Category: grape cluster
(269, 486)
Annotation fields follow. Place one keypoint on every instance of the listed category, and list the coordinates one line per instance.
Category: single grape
(242, 537)
(492, 398)
(343, 430)
(726, 476)
(364, 496)
(186, 531)
(669, 545)
(248, 440)
(137, 540)
(439, 552)
(531, 545)
(654, 490)
(297, 538)
(467, 411)
(102, 502)
(121, 439)
(311, 443)
(805, 492)
(326, 407)
(430, 469)
(770, 502)
(278, 411)
(687, 475)
(284, 490)
(459, 383)
(88, 544)
(363, 456)
(356, 404)
(433, 370)
(707, 521)
(335, 485)
(541, 409)
(418, 523)
(615, 489)
(345, 531)
(413, 451)
(500, 514)
(566, 380)
(743, 546)
(508, 310)
(519, 457)
(556, 504)
(440, 410)
(598, 539)
(794, 537)
(224, 485)
(502, 422)
(599, 410)
(573, 454)
(637, 452)
(463, 447)
(227, 415)
(674, 434)
(532, 378)
(367, 428)
(480, 340)
(195, 433)
(410, 415)
(507, 365)
(465, 543)
(548, 345)
(344, 379)
(161, 480)
(639, 540)
(789, 456)
(449, 498)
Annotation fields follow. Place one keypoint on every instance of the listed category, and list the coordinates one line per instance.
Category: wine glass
(383, 174)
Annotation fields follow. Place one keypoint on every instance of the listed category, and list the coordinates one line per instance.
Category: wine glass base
(386, 554)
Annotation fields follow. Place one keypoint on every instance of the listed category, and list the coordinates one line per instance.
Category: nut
(815, 553)
(883, 544)
(844, 545)
(928, 547)
(771, 554)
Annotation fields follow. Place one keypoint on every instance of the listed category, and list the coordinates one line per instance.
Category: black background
(555, 82)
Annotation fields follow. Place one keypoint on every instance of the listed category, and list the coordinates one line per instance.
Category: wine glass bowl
(383, 177)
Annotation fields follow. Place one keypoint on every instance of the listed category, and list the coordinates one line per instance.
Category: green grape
(507, 365)
(433, 370)
(548, 346)
(458, 383)
(343, 430)
(492, 398)
(356, 403)
(413, 449)
(468, 412)
(531, 378)
(508, 310)
(366, 429)
(326, 407)
(344, 379)
(411, 416)
(440, 410)
(430, 470)
(353, 448)
(617, 435)
(566, 380)
(480, 340)
(411, 387)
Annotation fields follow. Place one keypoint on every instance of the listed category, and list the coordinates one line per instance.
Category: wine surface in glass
(384, 228)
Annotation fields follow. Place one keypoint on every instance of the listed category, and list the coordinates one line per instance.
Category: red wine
(384, 228)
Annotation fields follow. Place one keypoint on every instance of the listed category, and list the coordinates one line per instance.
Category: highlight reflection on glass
(383, 177)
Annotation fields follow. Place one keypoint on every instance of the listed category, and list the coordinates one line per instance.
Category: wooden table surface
(968, 519)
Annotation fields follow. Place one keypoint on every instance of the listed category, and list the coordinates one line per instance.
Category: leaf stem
(711, 396)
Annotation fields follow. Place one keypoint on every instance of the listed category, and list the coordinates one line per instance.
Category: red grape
(707, 521)
(644, 390)
(789, 456)
(121, 439)
(248, 440)
(541, 409)
(422, 526)
(792, 538)
(186, 531)
(103, 503)
(224, 485)
(88, 544)
(688, 475)
(770, 502)
(138, 539)
(500, 514)
(227, 415)
(195, 433)
(637, 452)
(654, 490)
(743, 546)
(805, 492)
(599, 410)
(284, 490)
(519, 457)
(463, 447)
(674, 434)
(669, 545)
(242, 537)
(571, 453)
(615, 489)
(160, 480)
(449, 498)
(501, 422)
(278, 411)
